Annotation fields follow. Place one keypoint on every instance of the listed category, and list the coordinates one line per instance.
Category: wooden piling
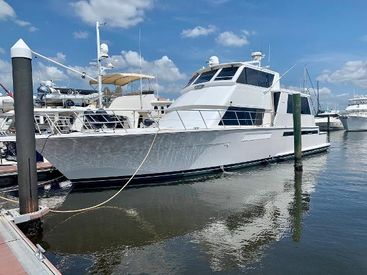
(297, 133)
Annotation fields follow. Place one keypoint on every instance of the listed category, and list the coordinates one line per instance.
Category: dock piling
(297, 132)
(21, 56)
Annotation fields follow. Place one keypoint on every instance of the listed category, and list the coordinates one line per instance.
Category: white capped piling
(21, 56)
(297, 133)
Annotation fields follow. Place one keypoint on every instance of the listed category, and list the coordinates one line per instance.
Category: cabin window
(192, 79)
(155, 107)
(276, 97)
(242, 116)
(226, 73)
(305, 106)
(254, 77)
(206, 76)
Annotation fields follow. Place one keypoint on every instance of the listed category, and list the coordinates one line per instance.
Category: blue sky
(177, 37)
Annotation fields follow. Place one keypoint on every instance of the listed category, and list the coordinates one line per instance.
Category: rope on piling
(8, 200)
(118, 192)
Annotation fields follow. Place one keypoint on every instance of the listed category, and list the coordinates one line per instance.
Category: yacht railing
(105, 120)
(194, 119)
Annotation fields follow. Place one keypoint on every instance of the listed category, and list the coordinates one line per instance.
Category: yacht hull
(92, 158)
(334, 124)
(354, 123)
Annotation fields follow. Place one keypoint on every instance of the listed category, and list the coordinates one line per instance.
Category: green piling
(297, 132)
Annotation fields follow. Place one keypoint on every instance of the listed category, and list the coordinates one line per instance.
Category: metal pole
(297, 132)
(99, 67)
(318, 97)
(21, 56)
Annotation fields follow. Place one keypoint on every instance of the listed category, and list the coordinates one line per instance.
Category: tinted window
(204, 77)
(256, 78)
(242, 116)
(226, 73)
(276, 101)
(305, 107)
(290, 104)
(192, 79)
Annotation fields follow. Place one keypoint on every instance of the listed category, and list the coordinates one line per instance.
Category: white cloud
(354, 72)
(2, 51)
(6, 74)
(44, 72)
(163, 68)
(8, 13)
(32, 29)
(325, 91)
(231, 39)
(198, 31)
(80, 35)
(60, 57)
(116, 13)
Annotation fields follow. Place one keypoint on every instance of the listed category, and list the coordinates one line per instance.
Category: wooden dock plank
(12, 168)
(18, 254)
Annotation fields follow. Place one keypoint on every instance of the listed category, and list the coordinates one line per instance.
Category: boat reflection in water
(211, 224)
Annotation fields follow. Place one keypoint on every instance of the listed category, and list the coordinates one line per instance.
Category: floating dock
(9, 173)
(18, 254)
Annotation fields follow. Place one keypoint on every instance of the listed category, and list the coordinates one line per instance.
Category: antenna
(141, 80)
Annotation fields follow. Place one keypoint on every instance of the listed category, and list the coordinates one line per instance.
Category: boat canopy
(121, 79)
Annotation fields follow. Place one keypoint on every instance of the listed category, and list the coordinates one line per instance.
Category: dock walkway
(18, 255)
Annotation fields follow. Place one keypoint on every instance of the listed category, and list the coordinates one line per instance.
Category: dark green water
(261, 220)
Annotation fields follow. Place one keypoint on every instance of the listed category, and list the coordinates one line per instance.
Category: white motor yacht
(355, 116)
(229, 115)
(329, 121)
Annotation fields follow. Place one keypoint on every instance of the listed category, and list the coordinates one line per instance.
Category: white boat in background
(137, 100)
(48, 95)
(6, 101)
(329, 121)
(354, 118)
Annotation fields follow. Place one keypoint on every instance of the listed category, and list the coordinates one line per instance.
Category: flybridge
(249, 73)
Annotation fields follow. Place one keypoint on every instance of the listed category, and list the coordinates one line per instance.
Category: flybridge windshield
(205, 77)
(224, 74)
(248, 76)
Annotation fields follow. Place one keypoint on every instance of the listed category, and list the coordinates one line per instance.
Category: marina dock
(9, 173)
(18, 254)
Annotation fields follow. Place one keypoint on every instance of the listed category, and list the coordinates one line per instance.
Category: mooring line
(118, 192)
(109, 199)
(9, 200)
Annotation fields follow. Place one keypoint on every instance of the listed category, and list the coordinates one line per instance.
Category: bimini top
(121, 79)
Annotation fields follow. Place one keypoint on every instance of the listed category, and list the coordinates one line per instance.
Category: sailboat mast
(141, 80)
(318, 97)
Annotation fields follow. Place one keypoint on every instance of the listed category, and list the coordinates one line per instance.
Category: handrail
(105, 120)
(181, 120)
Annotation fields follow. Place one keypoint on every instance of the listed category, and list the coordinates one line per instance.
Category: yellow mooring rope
(109, 199)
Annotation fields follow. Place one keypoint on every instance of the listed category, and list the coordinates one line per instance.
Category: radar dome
(213, 60)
